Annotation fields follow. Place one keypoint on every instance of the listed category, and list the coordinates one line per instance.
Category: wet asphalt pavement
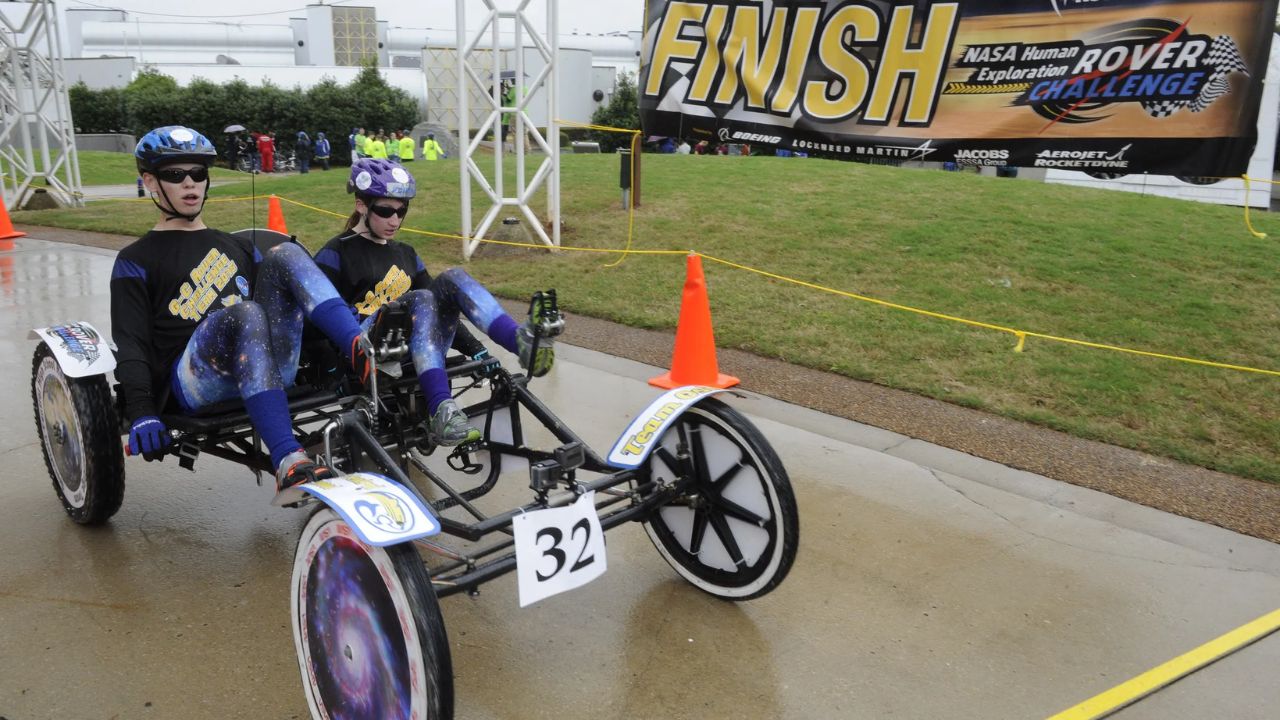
(929, 583)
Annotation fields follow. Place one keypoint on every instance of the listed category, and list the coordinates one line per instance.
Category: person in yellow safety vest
(407, 146)
(431, 149)
(378, 148)
(360, 141)
(367, 147)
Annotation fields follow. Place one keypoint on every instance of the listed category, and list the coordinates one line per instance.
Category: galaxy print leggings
(253, 346)
(435, 312)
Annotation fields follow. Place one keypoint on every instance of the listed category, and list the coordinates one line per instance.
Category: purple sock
(269, 413)
(503, 331)
(334, 319)
(435, 388)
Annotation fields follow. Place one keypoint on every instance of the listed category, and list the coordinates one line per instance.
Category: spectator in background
(302, 150)
(377, 147)
(322, 150)
(249, 149)
(701, 147)
(407, 146)
(358, 141)
(683, 148)
(666, 145)
(267, 150)
(431, 149)
(393, 147)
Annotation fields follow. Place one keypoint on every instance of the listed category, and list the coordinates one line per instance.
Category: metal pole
(464, 124)
(553, 127)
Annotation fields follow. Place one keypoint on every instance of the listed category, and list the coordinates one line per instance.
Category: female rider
(370, 268)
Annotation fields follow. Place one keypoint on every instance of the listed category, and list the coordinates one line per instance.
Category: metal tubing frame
(32, 76)
(548, 173)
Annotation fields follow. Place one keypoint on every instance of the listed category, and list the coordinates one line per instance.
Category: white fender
(378, 508)
(641, 436)
(80, 349)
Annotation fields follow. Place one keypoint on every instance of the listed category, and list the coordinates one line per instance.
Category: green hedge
(154, 99)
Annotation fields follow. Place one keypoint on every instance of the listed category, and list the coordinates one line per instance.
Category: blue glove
(148, 437)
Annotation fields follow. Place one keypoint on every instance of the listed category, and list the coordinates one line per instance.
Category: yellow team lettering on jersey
(393, 285)
(207, 281)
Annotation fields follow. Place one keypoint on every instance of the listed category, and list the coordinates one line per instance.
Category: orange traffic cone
(275, 216)
(7, 233)
(694, 359)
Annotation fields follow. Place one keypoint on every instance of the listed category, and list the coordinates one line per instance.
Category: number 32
(559, 555)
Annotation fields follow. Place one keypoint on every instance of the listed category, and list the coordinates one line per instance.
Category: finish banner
(1104, 86)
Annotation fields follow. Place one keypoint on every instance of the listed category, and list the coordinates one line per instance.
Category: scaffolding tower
(515, 116)
(37, 138)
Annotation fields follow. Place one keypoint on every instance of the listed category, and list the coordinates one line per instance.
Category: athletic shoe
(450, 426)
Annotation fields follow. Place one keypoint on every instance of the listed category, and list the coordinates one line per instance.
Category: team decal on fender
(208, 279)
(641, 436)
(80, 341)
(394, 284)
(380, 510)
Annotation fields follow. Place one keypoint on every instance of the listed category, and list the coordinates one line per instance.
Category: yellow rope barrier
(1247, 222)
(1021, 335)
(631, 209)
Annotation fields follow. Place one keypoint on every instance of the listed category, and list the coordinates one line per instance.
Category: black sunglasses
(386, 211)
(176, 175)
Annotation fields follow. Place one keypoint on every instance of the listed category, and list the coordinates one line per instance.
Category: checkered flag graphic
(1225, 58)
(1162, 108)
(1211, 91)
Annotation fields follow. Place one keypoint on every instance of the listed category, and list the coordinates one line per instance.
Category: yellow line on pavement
(1152, 680)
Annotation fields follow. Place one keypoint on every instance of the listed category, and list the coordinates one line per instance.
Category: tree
(154, 100)
(623, 111)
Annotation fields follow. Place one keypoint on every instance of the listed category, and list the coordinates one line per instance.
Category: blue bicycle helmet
(173, 144)
(378, 178)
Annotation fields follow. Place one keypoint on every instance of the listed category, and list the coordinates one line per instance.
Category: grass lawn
(1108, 267)
(98, 167)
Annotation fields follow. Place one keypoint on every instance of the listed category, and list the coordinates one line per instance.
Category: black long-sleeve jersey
(162, 286)
(368, 275)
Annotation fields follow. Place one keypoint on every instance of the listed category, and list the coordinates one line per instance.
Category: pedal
(544, 314)
(187, 454)
(460, 459)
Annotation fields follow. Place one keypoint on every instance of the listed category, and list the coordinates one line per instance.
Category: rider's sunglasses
(386, 211)
(175, 175)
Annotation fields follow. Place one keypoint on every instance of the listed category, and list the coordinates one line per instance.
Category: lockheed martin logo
(901, 152)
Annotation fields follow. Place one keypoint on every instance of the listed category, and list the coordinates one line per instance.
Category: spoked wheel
(735, 532)
(80, 437)
(370, 638)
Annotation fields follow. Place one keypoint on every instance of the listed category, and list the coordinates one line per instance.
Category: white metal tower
(37, 138)
(548, 45)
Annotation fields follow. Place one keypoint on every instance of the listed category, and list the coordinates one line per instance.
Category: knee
(419, 299)
(454, 276)
(286, 254)
(249, 318)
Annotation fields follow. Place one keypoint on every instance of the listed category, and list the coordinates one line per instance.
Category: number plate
(558, 549)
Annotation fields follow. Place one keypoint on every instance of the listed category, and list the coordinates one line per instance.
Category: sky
(584, 16)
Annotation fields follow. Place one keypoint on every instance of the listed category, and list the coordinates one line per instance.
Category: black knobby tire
(734, 533)
(367, 627)
(80, 437)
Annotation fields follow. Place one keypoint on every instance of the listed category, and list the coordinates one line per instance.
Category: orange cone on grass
(694, 359)
(275, 216)
(7, 233)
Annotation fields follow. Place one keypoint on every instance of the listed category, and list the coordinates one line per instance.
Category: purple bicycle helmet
(173, 144)
(378, 178)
